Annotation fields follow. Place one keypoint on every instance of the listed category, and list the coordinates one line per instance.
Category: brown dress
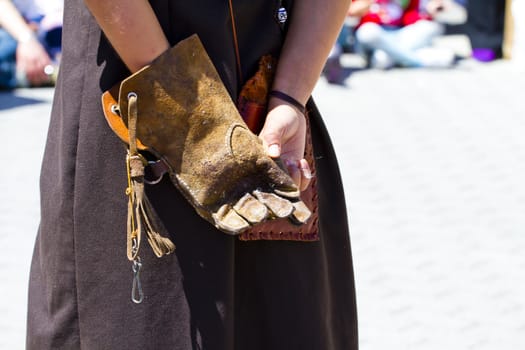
(214, 292)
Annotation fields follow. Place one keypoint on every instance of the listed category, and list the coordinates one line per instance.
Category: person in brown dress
(215, 291)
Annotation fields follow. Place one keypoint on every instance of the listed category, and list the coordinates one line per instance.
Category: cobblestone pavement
(24, 117)
(433, 163)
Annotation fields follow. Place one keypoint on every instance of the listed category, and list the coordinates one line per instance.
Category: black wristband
(287, 98)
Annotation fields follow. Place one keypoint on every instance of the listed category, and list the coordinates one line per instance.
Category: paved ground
(433, 164)
(24, 117)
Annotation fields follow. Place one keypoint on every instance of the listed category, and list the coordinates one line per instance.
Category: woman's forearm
(13, 22)
(314, 27)
(138, 38)
(132, 28)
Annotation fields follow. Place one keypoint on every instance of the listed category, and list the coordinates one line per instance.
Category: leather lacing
(235, 41)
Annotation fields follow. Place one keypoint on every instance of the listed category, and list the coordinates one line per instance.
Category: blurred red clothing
(397, 13)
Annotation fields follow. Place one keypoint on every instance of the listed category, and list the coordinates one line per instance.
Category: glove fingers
(227, 220)
(279, 206)
(281, 183)
(277, 178)
(251, 209)
(301, 214)
(292, 194)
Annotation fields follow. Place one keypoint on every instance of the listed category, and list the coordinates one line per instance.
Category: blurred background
(426, 111)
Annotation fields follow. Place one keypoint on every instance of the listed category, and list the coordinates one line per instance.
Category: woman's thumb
(271, 141)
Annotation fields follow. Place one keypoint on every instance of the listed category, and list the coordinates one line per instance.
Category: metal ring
(154, 181)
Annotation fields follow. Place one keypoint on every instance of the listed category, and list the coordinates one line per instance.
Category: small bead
(282, 15)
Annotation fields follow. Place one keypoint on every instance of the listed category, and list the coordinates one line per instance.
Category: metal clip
(137, 296)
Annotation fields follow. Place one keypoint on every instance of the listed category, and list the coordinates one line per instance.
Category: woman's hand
(32, 59)
(284, 135)
(359, 8)
(433, 7)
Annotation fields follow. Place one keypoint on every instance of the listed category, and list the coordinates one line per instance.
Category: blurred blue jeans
(52, 42)
(7, 60)
(399, 43)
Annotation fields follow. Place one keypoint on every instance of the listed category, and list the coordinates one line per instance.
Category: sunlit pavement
(24, 117)
(434, 168)
(433, 163)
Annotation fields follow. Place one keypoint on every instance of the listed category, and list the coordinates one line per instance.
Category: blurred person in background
(400, 32)
(30, 42)
(396, 33)
(484, 28)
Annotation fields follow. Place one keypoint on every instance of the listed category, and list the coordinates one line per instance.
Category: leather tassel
(161, 245)
(141, 214)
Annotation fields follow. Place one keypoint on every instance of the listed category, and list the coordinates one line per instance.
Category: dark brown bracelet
(287, 98)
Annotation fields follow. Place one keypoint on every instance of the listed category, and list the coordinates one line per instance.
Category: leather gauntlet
(185, 117)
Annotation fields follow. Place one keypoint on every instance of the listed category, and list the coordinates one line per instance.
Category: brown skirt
(215, 292)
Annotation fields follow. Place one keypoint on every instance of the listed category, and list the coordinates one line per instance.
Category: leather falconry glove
(185, 117)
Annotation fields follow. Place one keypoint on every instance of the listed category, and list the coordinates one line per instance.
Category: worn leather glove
(185, 116)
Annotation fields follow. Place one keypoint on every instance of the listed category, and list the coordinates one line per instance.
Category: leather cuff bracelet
(287, 98)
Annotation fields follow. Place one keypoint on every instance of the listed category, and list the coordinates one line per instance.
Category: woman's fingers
(300, 172)
(293, 170)
(306, 174)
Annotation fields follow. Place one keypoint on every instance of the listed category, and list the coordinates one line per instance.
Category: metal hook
(137, 296)
(135, 250)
